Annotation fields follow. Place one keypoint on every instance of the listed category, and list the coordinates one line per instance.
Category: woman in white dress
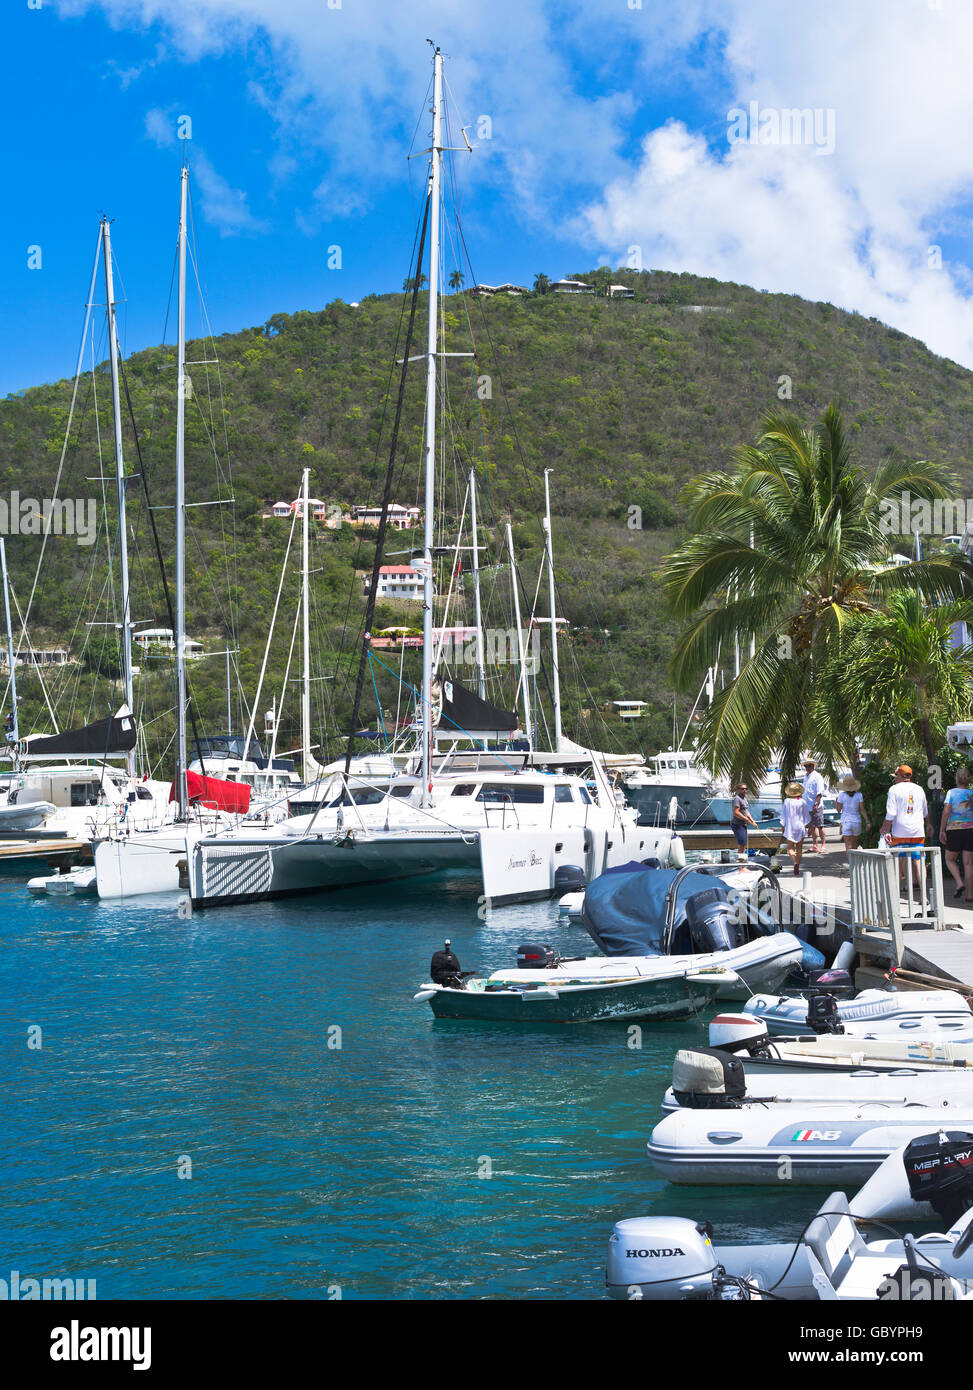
(851, 806)
(794, 816)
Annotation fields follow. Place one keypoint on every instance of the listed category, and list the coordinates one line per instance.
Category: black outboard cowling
(836, 982)
(445, 969)
(822, 1013)
(707, 1078)
(940, 1171)
(569, 878)
(710, 918)
(536, 957)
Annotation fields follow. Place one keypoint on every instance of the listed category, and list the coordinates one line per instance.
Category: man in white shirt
(813, 792)
(906, 818)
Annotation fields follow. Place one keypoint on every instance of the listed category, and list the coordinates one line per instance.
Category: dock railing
(879, 881)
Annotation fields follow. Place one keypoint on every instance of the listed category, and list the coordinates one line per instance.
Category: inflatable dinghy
(875, 1013)
(781, 1056)
(665, 1258)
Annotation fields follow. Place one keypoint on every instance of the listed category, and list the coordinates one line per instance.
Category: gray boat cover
(625, 912)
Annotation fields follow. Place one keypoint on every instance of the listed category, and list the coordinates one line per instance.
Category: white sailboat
(512, 828)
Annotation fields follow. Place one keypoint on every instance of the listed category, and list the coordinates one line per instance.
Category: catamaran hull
(139, 864)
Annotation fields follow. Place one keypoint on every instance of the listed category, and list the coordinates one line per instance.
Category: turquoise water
(316, 1168)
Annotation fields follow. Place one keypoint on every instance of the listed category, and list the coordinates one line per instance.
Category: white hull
(875, 1013)
(140, 863)
(940, 1090)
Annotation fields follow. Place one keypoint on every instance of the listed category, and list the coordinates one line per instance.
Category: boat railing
(672, 897)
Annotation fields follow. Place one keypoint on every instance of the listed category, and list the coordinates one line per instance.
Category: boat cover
(215, 794)
(625, 912)
(104, 737)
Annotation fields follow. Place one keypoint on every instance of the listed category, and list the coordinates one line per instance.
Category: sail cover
(457, 712)
(215, 794)
(625, 912)
(117, 734)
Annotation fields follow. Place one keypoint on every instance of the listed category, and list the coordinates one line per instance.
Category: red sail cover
(215, 794)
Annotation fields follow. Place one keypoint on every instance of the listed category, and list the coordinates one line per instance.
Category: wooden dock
(34, 856)
(721, 837)
(939, 956)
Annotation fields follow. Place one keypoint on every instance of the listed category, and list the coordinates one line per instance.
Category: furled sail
(215, 794)
(104, 738)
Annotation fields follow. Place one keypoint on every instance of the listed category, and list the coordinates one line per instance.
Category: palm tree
(541, 283)
(789, 547)
(456, 280)
(901, 673)
(412, 282)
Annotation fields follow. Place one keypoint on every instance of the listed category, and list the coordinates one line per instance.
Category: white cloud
(223, 206)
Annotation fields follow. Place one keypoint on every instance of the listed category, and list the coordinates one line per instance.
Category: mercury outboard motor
(569, 878)
(536, 957)
(444, 968)
(706, 1078)
(710, 918)
(940, 1171)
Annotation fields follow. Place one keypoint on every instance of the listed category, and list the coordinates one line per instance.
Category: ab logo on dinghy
(812, 1136)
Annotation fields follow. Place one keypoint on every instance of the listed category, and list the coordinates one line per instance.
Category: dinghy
(874, 1013)
(634, 911)
(803, 1144)
(781, 1056)
(79, 882)
(545, 989)
(664, 1258)
(700, 1081)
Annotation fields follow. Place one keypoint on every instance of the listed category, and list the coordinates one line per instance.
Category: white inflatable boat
(804, 1145)
(671, 1258)
(875, 1013)
(781, 1056)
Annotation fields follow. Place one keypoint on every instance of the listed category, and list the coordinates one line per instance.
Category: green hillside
(625, 400)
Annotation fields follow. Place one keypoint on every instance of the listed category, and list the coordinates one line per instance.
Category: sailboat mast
(435, 170)
(10, 649)
(182, 791)
(478, 615)
(555, 669)
(121, 483)
(306, 633)
(524, 678)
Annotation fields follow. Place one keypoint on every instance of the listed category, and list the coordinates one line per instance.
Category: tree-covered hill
(625, 400)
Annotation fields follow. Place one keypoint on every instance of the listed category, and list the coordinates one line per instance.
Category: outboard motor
(710, 918)
(569, 878)
(536, 957)
(737, 1033)
(822, 1013)
(445, 969)
(659, 1258)
(836, 982)
(706, 1078)
(940, 1171)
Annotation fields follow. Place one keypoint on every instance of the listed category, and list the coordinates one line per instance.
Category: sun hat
(808, 762)
(850, 784)
(905, 769)
(793, 789)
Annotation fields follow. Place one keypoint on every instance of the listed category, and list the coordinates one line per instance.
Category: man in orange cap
(906, 818)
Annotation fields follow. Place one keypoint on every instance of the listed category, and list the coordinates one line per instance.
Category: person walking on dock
(956, 834)
(813, 792)
(851, 805)
(742, 819)
(906, 819)
(793, 820)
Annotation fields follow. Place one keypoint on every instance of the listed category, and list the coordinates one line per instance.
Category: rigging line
(381, 715)
(386, 499)
(273, 622)
(67, 428)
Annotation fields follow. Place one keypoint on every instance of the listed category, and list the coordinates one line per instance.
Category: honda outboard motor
(705, 1078)
(445, 969)
(710, 918)
(737, 1033)
(536, 957)
(660, 1257)
(569, 878)
(940, 1171)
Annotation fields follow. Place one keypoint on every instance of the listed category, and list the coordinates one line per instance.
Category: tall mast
(524, 678)
(478, 616)
(10, 650)
(435, 170)
(558, 736)
(182, 791)
(306, 634)
(120, 483)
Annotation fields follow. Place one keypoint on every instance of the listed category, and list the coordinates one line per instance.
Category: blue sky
(609, 129)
